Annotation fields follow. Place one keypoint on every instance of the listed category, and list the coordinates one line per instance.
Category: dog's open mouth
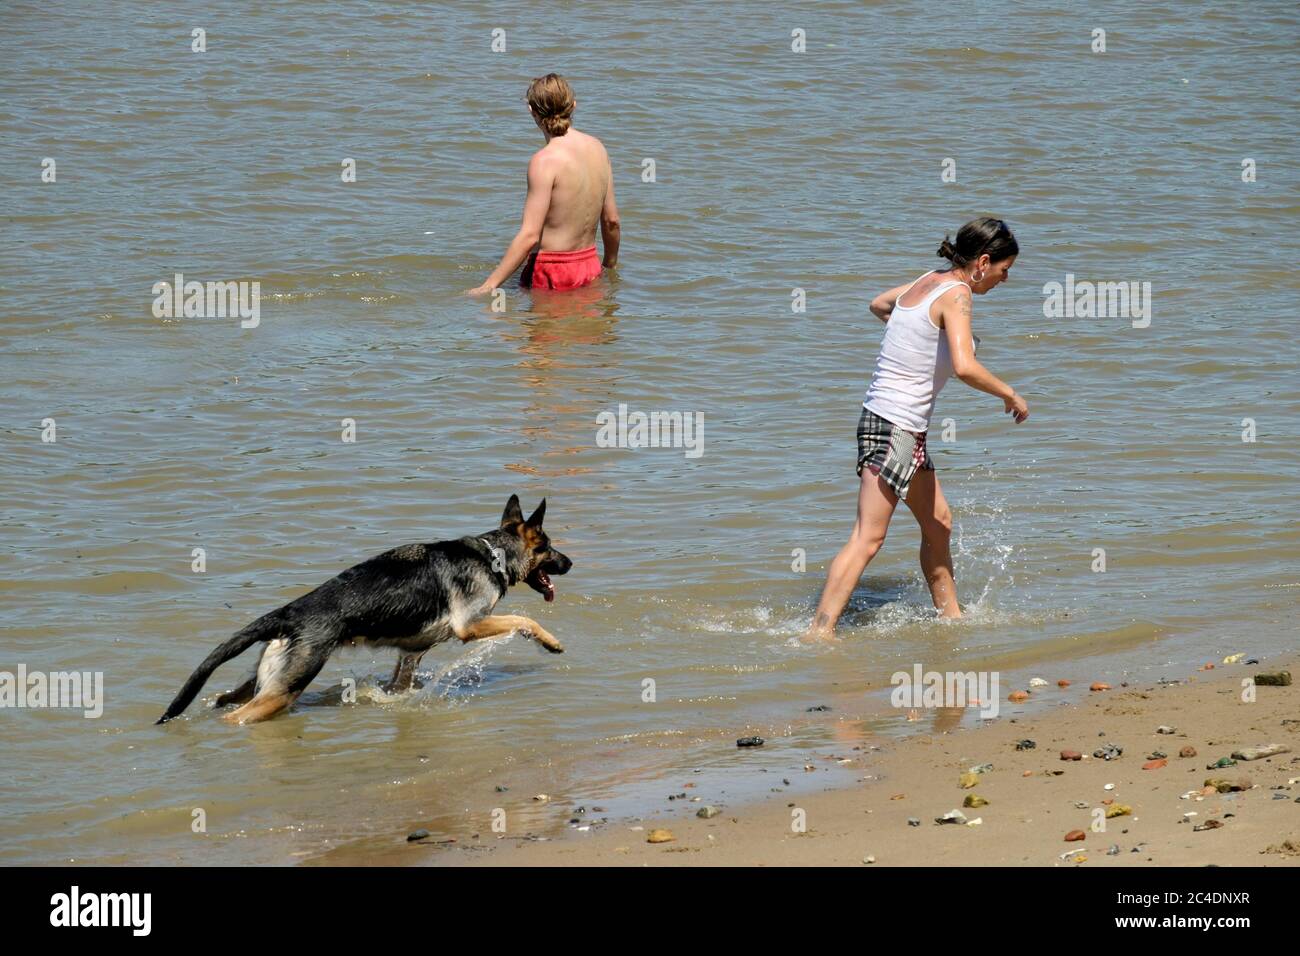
(540, 582)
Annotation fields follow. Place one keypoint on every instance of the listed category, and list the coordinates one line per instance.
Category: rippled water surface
(774, 171)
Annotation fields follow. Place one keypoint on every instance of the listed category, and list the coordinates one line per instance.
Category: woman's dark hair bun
(977, 237)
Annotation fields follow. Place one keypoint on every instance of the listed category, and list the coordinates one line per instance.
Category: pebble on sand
(1016, 696)
(660, 836)
(1118, 810)
(707, 812)
(1188, 751)
(1280, 679)
(1260, 751)
(969, 780)
(1074, 836)
(1063, 683)
(1071, 755)
(974, 801)
(1155, 764)
(1098, 685)
(416, 835)
(750, 742)
(1109, 752)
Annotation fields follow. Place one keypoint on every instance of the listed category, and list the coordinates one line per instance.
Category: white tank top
(914, 364)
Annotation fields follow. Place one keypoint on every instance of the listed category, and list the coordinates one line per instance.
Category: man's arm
(541, 178)
(609, 225)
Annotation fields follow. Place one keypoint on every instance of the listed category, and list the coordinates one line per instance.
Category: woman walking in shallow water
(927, 340)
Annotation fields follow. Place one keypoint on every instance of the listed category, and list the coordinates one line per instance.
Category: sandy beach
(1034, 796)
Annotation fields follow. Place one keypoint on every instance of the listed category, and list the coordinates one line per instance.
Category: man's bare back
(580, 170)
(570, 192)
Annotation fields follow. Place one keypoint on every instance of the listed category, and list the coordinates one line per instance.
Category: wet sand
(1031, 795)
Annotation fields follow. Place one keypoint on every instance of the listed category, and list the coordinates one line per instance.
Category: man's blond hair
(551, 99)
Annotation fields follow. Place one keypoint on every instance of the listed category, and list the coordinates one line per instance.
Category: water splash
(454, 682)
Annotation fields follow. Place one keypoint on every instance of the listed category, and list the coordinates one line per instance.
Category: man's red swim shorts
(560, 270)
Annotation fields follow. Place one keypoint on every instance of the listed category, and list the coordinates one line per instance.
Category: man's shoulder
(556, 155)
(588, 141)
(542, 160)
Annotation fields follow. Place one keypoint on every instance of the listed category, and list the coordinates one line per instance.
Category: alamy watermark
(651, 430)
(932, 689)
(130, 910)
(1085, 299)
(208, 300)
(74, 690)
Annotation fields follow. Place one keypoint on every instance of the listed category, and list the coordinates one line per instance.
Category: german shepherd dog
(410, 598)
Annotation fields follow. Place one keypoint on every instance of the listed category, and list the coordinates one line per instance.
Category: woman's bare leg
(876, 503)
(925, 499)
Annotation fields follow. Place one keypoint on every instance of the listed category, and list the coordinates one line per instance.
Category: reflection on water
(561, 363)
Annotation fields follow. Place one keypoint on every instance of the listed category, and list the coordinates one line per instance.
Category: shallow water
(774, 171)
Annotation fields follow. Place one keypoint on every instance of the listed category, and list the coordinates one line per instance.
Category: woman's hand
(1016, 406)
(479, 289)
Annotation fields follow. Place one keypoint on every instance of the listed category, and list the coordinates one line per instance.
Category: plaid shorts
(893, 453)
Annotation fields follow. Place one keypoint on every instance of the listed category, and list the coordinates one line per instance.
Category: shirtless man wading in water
(570, 190)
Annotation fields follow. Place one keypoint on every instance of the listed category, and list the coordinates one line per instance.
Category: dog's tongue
(549, 595)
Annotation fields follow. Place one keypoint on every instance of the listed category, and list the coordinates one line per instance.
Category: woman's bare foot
(821, 631)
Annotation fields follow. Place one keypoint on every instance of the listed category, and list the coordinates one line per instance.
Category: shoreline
(1034, 798)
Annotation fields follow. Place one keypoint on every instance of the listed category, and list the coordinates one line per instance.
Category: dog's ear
(513, 514)
(535, 519)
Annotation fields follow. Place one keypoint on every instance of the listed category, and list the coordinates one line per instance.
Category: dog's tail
(263, 629)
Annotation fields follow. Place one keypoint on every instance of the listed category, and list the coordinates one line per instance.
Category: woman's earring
(977, 278)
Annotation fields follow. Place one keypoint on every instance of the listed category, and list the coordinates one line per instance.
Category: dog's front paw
(549, 642)
(545, 638)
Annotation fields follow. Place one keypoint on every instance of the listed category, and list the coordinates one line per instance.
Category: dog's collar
(505, 578)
